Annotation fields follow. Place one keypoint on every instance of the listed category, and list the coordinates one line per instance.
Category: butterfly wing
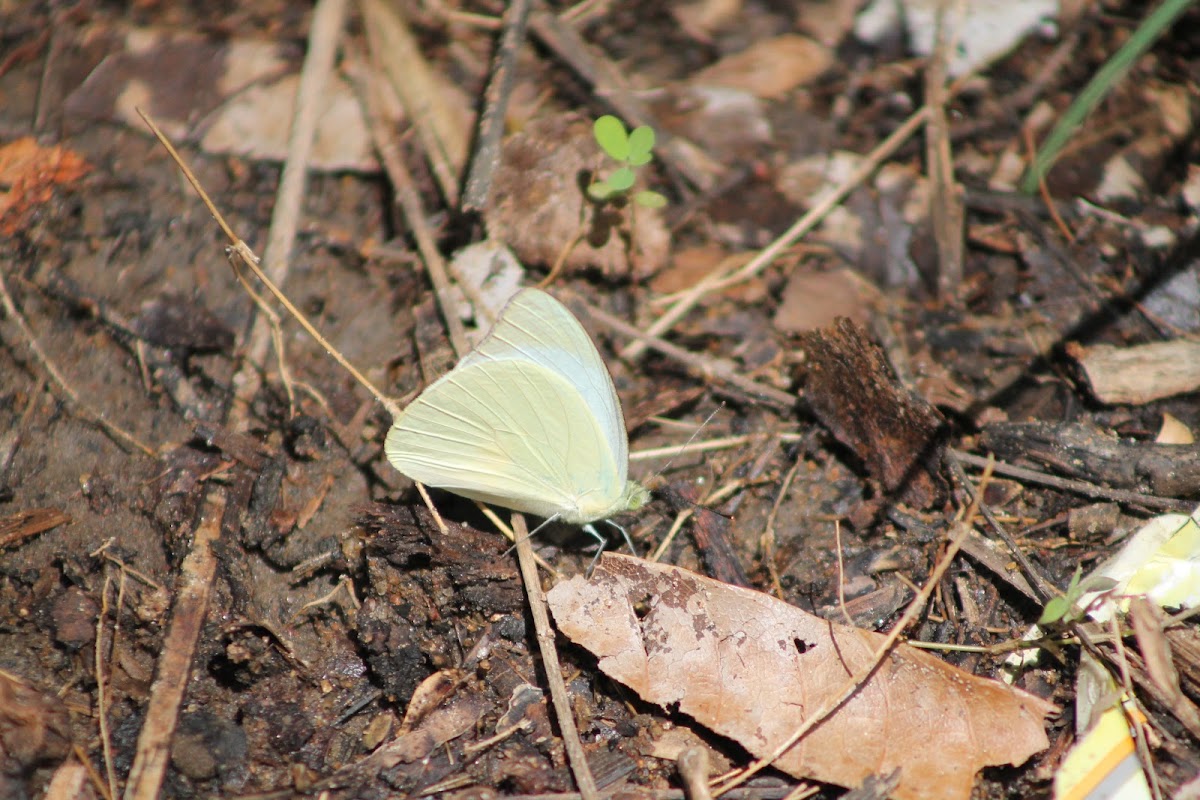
(512, 432)
(535, 328)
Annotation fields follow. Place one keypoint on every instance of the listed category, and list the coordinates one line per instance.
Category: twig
(708, 367)
(397, 52)
(767, 255)
(1044, 189)
(679, 154)
(717, 495)
(247, 257)
(946, 197)
(199, 566)
(178, 651)
(495, 105)
(102, 708)
(767, 540)
(724, 443)
(118, 434)
(1111, 73)
(414, 214)
(1037, 581)
(1138, 726)
(554, 679)
(1078, 487)
(693, 770)
(508, 533)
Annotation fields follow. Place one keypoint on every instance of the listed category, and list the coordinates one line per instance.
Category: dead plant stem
(545, 639)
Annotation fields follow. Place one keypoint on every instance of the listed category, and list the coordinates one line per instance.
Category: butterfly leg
(595, 534)
(601, 541)
(624, 533)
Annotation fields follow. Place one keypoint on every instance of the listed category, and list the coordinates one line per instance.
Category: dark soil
(335, 596)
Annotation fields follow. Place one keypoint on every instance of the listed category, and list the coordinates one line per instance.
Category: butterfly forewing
(529, 420)
(536, 328)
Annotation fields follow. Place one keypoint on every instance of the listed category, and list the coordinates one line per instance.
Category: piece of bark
(1139, 374)
(1091, 453)
(855, 394)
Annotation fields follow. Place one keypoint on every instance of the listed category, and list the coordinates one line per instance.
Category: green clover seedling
(1063, 609)
(630, 149)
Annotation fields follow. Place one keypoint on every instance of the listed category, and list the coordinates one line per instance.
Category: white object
(1161, 561)
(529, 420)
(988, 30)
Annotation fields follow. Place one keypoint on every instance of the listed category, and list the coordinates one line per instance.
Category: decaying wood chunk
(854, 392)
(1091, 453)
(1139, 374)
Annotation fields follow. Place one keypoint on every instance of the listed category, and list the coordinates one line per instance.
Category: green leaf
(601, 190)
(1056, 608)
(641, 142)
(621, 180)
(649, 199)
(1100, 584)
(1073, 589)
(611, 136)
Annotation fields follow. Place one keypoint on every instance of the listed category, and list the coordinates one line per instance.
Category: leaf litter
(1006, 263)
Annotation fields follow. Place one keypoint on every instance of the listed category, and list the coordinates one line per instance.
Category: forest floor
(212, 582)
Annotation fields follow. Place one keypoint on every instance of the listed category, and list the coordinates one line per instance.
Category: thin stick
(437, 518)
(1079, 487)
(609, 84)
(115, 432)
(175, 660)
(946, 197)
(714, 496)
(102, 686)
(554, 679)
(708, 367)
(724, 443)
(396, 53)
(194, 588)
(248, 257)
(414, 214)
(767, 541)
(495, 99)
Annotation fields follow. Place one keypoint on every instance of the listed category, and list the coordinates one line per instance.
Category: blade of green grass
(1152, 27)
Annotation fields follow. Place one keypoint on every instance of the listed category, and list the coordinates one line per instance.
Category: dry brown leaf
(232, 95)
(815, 299)
(769, 68)
(538, 205)
(750, 667)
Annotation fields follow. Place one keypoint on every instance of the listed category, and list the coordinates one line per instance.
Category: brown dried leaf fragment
(751, 667)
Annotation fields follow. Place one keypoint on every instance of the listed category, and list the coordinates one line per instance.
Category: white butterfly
(529, 420)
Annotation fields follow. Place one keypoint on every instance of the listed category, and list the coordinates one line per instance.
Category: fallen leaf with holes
(751, 667)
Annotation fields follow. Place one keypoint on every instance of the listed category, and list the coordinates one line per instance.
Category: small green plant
(631, 150)
(1063, 609)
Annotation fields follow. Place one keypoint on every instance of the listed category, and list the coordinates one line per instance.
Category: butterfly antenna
(683, 447)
